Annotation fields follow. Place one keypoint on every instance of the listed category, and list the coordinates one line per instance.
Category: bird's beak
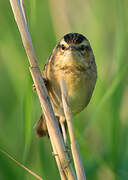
(72, 51)
(72, 55)
(72, 48)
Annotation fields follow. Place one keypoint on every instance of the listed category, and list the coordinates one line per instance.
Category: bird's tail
(41, 128)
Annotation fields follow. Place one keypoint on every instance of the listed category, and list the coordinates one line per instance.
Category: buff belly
(80, 81)
(79, 92)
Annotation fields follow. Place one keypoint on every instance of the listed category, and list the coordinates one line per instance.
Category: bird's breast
(78, 91)
(79, 87)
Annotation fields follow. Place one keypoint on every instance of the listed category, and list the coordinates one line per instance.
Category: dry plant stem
(53, 129)
(74, 147)
(60, 162)
(23, 10)
(21, 165)
(62, 174)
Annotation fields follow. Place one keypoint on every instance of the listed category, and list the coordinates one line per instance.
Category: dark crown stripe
(75, 38)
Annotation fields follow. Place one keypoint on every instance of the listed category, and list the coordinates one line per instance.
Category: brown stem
(52, 125)
(74, 146)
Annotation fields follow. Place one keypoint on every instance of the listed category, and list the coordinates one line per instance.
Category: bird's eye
(84, 48)
(63, 47)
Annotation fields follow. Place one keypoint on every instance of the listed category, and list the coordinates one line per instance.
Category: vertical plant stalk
(52, 125)
(74, 146)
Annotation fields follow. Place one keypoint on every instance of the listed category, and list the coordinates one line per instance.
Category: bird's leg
(67, 150)
(62, 121)
(45, 82)
(34, 87)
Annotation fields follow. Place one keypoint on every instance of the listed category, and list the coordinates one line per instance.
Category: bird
(72, 59)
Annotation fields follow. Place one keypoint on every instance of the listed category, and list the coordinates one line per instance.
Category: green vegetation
(102, 128)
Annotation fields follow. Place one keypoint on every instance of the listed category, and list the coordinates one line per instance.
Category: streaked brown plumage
(72, 59)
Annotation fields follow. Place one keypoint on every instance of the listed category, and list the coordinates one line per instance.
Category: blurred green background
(102, 128)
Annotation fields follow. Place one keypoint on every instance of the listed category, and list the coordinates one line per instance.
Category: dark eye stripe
(63, 47)
(83, 48)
